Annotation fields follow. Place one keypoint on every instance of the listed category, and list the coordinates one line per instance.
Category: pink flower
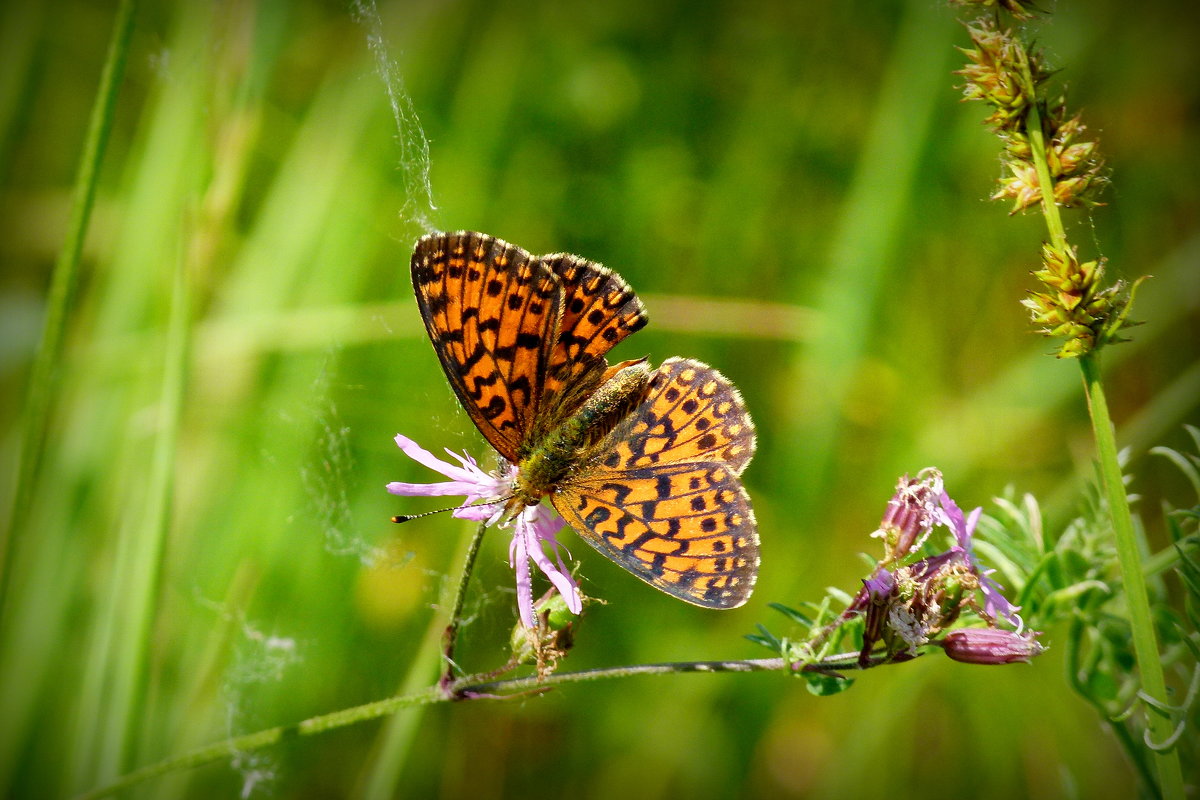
(908, 606)
(535, 526)
(911, 514)
(995, 604)
(485, 495)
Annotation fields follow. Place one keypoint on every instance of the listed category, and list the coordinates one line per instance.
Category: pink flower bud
(909, 515)
(989, 646)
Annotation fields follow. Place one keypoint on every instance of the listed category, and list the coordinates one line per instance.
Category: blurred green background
(798, 196)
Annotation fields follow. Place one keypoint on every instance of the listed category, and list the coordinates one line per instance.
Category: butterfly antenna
(409, 517)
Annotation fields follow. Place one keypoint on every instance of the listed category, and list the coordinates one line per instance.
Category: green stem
(1037, 144)
(1145, 642)
(260, 739)
(466, 688)
(450, 638)
(44, 372)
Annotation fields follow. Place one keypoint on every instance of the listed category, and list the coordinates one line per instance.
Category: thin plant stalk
(107, 742)
(468, 687)
(1037, 143)
(1145, 641)
(450, 638)
(63, 283)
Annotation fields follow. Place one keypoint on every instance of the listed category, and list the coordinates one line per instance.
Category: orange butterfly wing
(663, 498)
(522, 339)
(598, 311)
(490, 309)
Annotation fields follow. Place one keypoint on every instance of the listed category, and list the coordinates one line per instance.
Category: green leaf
(766, 639)
(823, 685)
(838, 594)
(792, 614)
(762, 640)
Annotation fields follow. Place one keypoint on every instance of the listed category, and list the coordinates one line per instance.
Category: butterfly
(643, 463)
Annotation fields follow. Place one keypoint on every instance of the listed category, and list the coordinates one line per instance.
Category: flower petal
(533, 527)
(431, 489)
(520, 565)
(953, 519)
(880, 585)
(476, 513)
(428, 459)
(995, 603)
(972, 521)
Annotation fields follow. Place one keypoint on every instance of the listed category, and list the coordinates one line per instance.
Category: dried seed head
(1001, 73)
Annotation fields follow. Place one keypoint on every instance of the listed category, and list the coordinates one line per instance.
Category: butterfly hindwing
(662, 496)
(491, 310)
(691, 413)
(686, 529)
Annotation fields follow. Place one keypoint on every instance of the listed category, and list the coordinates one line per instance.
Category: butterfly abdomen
(552, 457)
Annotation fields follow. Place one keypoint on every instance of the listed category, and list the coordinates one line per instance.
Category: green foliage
(1072, 579)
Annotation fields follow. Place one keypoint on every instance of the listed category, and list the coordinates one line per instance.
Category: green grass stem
(465, 688)
(113, 699)
(1145, 643)
(47, 361)
(1037, 143)
(265, 738)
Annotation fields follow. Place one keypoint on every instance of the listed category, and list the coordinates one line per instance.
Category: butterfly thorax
(578, 439)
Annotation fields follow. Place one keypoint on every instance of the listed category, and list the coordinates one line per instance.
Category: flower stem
(450, 637)
(1145, 642)
(465, 688)
(1037, 143)
(1037, 146)
(264, 738)
(44, 371)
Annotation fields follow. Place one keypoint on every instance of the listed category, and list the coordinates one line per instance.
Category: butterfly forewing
(491, 310)
(598, 311)
(662, 498)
